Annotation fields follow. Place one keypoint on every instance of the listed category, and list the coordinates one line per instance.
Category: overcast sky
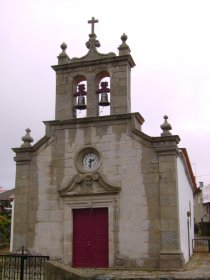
(169, 42)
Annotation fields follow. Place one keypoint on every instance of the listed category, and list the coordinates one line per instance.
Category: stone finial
(63, 47)
(166, 127)
(92, 43)
(124, 38)
(27, 139)
(124, 48)
(63, 58)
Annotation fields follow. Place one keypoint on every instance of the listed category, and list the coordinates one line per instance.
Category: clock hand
(90, 161)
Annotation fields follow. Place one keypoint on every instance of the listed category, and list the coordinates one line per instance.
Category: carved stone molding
(120, 261)
(87, 184)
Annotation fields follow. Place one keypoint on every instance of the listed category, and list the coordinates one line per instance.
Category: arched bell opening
(103, 91)
(80, 97)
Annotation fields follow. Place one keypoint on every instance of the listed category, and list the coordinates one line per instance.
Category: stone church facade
(96, 191)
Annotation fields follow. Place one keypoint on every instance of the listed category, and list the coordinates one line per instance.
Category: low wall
(58, 271)
(204, 229)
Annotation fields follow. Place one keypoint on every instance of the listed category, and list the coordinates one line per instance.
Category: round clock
(90, 160)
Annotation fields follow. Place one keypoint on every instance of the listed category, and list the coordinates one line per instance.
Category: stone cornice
(157, 142)
(105, 60)
(167, 150)
(23, 150)
(40, 142)
(33, 148)
(166, 139)
(94, 120)
(24, 154)
(142, 134)
(166, 145)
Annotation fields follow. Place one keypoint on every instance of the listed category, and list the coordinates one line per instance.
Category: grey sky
(170, 44)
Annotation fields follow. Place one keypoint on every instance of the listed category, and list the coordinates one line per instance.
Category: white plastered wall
(185, 205)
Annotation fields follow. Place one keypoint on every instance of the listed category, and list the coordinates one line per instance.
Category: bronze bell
(80, 103)
(104, 99)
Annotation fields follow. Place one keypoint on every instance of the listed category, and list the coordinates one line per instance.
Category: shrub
(4, 227)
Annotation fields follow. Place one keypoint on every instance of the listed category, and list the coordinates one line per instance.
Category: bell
(80, 103)
(104, 99)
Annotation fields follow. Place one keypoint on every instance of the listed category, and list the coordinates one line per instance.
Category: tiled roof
(5, 195)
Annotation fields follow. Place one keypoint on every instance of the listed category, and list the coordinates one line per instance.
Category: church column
(120, 89)
(64, 95)
(92, 97)
(121, 81)
(170, 255)
(23, 157)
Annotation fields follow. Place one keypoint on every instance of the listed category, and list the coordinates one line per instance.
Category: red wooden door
(90, 237)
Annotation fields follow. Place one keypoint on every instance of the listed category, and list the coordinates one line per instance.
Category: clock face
(90, 160)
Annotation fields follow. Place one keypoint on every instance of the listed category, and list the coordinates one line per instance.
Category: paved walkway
(197, 268)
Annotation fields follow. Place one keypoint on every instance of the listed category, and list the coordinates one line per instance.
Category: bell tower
(80, 81)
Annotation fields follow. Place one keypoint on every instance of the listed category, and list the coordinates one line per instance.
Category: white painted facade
(186, 221)
(206, 193)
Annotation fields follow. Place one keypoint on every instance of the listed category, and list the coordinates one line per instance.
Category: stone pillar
(120, 89)
(21, 205)
(20, 226)
(120, 81)
(64, 96)
(92, 97)
(170, 255)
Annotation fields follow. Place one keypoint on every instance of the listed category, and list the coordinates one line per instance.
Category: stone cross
(92, 21)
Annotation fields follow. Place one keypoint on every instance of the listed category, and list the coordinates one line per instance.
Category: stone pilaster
(23, 157)
(64, 96)
(170, 255)
(120, 88)
(92, 98)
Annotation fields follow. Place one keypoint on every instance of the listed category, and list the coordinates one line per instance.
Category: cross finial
(92, 21)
